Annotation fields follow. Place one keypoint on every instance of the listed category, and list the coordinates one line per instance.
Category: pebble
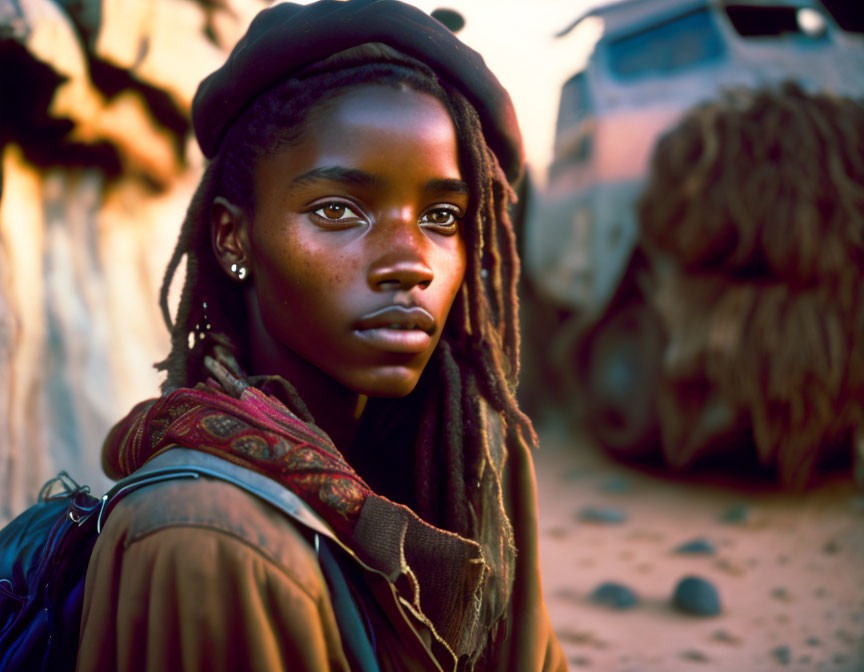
(557, 532)
(730, 567)
(844, 636)
(781, 593)
(738, 513)
(697, 596)
(783, 654)
(581, 638)
(700, 546)
(605, 516)
(616, 484)
(831, 547)
(615, 595)
(725, 637)
(813, 641)
(581, 661)
(695, 655)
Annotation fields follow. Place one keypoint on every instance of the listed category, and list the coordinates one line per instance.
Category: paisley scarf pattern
(250, 428)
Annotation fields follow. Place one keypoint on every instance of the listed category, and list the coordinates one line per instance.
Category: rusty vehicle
(584, 270)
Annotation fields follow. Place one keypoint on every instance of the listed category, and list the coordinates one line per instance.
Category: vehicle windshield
(575, 102)
(681, 42)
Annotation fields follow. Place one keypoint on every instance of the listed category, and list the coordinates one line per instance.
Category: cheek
(297, 266)
(331, 274)
(320, 285)
(454, 267)
(457, 267)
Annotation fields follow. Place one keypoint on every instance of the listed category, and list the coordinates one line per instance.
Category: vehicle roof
(630, 15)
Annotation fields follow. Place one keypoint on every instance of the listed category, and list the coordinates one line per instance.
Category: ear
(229, 235)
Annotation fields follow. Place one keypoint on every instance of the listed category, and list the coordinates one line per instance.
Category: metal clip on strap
(132, 483)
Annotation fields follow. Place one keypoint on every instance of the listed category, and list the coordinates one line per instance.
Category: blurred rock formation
(97, 168)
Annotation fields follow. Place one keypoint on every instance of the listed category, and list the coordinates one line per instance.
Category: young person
(347, 328)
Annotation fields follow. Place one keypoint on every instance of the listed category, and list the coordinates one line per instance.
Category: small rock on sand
(695, 655)
(604, 516)
(615, 595)
(616, 484)
(781, 594)
(725, 637)
(737, 513)
(700, 546)
(697, 596)
(782, 654)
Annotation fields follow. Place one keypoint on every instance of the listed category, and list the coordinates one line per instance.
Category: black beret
(285, 38)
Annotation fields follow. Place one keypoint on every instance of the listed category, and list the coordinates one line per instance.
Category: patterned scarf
(250, 428)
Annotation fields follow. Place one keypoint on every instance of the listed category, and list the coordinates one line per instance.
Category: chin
(391, 383)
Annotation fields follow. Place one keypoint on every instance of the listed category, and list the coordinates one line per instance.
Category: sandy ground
(789, 567)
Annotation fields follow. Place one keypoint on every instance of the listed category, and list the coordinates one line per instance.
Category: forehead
(378, 107)
(395, 137)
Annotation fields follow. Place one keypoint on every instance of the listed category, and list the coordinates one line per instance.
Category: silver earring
(239, 271)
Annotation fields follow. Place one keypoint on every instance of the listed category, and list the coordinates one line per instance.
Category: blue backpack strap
(358, 638)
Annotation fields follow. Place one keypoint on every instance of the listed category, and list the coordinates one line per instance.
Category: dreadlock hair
(758, 201)
(476, 362)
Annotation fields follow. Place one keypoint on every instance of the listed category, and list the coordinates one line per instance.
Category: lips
(397, 329)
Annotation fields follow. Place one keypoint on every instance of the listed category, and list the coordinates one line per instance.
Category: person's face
(355, 247)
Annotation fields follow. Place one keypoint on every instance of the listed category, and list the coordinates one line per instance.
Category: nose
(402, 264)
(399, 274)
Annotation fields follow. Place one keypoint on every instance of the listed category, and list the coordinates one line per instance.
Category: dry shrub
(754, 219)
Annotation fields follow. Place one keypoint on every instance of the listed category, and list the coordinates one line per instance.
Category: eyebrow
(447, 185)
(361, 178)
(337, 174)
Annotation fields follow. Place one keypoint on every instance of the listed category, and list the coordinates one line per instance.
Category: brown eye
(335, 211)
(442, 219)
